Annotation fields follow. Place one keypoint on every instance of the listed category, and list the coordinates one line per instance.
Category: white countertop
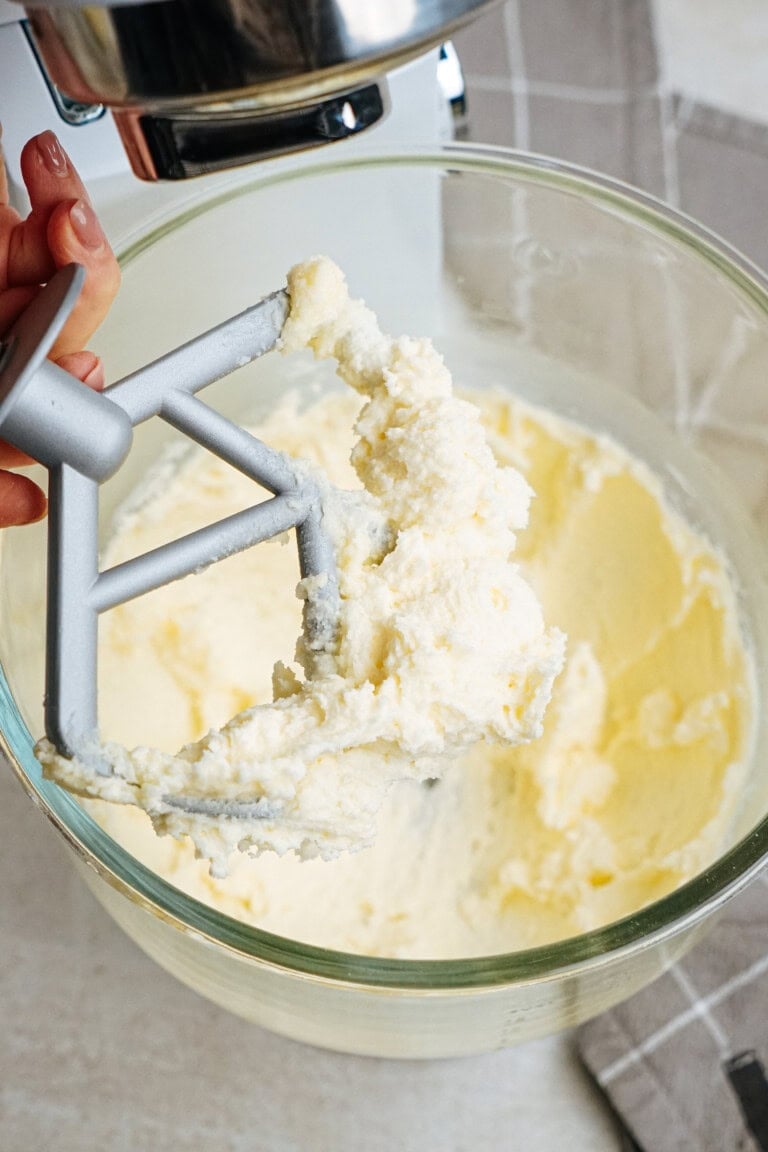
(102, 1051)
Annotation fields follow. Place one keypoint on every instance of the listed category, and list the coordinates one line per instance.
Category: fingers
(11, 457)
(62, 227)
(50, 178)
(12, 303)
(86, 366)
(74, 234)
(21, 501)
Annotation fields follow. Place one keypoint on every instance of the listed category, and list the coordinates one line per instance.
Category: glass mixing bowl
(591, 298)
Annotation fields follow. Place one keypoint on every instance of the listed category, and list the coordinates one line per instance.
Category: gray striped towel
(684, 1063)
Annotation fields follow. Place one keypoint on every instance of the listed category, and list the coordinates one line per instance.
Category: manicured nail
(85, 225)
(52, 154)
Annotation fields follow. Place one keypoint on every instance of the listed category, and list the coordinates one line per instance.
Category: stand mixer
(195, 90)
(283, 79)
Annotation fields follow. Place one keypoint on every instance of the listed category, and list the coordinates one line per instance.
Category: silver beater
(82, 437)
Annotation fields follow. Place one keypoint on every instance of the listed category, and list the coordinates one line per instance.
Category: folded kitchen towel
(684, 1063)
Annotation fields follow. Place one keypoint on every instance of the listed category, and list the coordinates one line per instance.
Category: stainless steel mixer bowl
(587, 296)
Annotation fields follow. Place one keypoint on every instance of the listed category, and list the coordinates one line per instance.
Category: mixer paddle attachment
(83, 437)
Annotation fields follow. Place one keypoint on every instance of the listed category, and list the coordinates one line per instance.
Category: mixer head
(201, 85)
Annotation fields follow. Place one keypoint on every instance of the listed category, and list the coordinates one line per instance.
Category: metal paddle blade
(83, 437)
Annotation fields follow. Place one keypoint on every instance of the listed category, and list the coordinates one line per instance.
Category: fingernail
(95, 378)
(52, 154)
(85, 225)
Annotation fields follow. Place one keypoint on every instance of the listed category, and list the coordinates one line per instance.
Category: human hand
(60, 229)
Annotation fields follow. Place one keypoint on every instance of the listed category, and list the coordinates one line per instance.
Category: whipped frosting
(442, 643)
(630, 790)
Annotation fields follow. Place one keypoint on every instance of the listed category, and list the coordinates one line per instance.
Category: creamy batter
(628, 792)
(441, 642)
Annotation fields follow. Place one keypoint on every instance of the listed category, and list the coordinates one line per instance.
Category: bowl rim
(653, 924)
